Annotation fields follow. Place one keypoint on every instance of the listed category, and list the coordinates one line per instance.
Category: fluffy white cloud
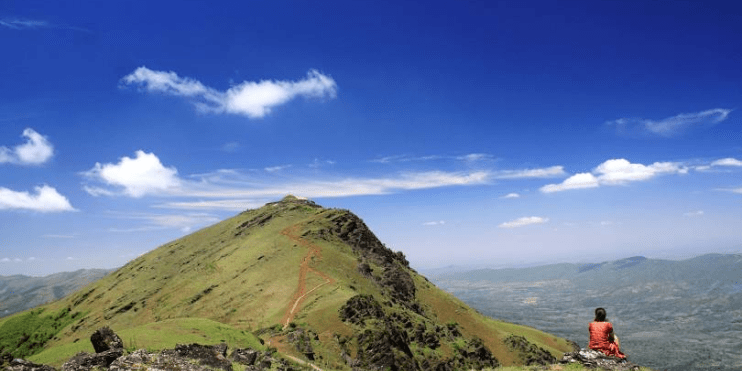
(45, 199)
(511, 195)
(251, 99)
(727, 162)
(615, 172)
(577, 181)
(138, 176)
(549, 172)
(37, 150)
(620, 171)
(524, 221)
(672, 125)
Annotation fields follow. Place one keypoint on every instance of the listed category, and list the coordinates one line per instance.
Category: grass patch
(160, 335)
(26, 334)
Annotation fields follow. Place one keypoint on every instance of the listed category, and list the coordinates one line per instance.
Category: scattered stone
(246, 357)
(207, 355)
(85, 361)
(7, 362)
(595, 359)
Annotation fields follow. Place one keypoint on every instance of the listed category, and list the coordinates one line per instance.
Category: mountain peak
(302, 277)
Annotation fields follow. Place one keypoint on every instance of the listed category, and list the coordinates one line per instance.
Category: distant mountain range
(19, 292)
(670, 315)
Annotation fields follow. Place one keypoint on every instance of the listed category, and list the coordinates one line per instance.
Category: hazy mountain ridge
(313, 283)
(676, 315)
(20, 292)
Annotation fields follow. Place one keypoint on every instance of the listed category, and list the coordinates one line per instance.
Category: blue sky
(488, 133)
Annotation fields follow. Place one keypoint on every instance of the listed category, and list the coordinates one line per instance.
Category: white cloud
(511, 195)
(475, 157)
(727, 162)
(138, 176)
(35, 151)
(5, 260)
(183, 222)
(577, 181)
(549, 172)
(438, 222)
(243, 193)
(272, 169)
(620, 171)
(672, 125)
(524, 221)
(407, 158)
(20, 24)
(231, 147)
(615, 172)
(251, 99)
(694, 213)
(46, 199)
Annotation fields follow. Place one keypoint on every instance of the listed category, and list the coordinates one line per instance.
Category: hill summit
(308, 282)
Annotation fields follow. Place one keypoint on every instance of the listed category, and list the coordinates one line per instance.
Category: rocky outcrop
(191, 357)
(108, 347)
(529, 353)
(595, 359)
(360, 308)
(7, 362)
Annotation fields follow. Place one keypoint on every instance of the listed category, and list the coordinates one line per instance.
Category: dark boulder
(105, 339)
(246, 357)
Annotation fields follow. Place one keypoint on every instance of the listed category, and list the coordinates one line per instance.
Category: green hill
(311, 282)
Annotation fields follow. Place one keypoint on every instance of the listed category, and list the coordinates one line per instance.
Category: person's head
(599, 315)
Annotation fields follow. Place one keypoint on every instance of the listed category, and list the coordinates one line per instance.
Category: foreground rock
(595, 359)
(192, 357)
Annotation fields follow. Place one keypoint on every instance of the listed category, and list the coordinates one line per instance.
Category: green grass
(160, 335)
(25, 334)
(238, 276)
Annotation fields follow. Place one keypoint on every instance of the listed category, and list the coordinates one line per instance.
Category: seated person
(602, 337)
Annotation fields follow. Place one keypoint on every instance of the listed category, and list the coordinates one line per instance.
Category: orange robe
(599, 334)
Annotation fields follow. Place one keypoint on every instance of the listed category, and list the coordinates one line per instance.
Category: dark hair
(599, 315)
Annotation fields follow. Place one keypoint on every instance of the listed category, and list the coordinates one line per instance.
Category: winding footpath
(313, 252)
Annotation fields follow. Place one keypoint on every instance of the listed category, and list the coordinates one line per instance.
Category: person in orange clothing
(602, 337)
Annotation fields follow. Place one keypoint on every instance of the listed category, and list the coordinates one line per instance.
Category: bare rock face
(595, 359)
(105, 339)
(84, 361)
(213, 356)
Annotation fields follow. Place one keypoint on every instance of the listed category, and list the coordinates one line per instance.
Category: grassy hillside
(314, 283)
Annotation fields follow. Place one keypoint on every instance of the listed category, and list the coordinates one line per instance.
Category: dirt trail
(313, 252)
